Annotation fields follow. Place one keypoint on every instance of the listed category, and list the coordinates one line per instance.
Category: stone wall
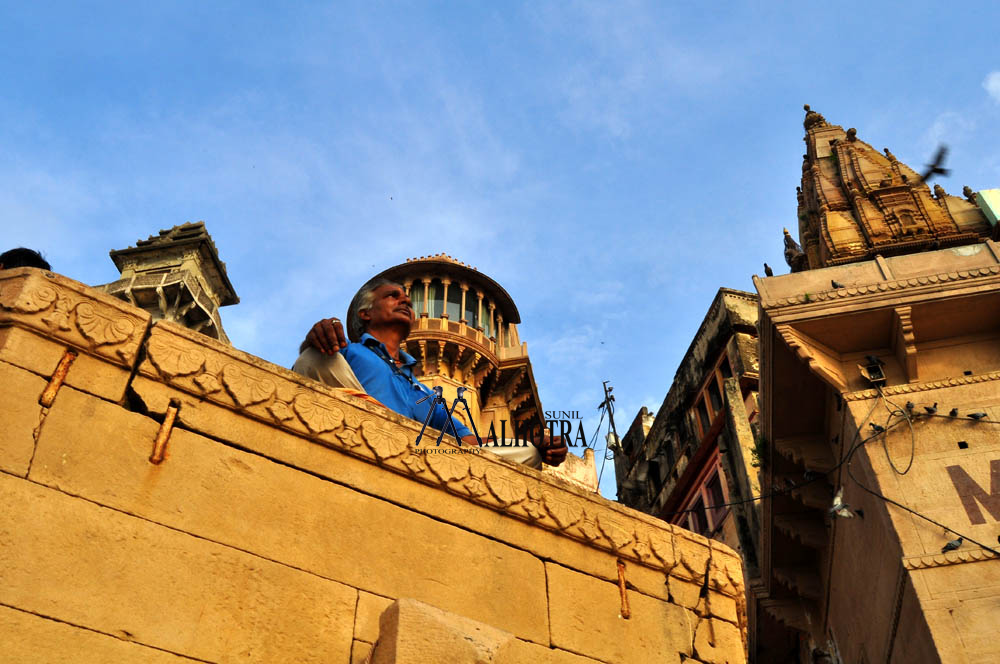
(168, 498)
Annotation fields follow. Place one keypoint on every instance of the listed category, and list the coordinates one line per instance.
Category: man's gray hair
(363, 299)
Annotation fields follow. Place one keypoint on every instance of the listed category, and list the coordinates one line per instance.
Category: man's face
(390, 306)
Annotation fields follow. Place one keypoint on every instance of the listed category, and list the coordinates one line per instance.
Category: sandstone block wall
(291, 522)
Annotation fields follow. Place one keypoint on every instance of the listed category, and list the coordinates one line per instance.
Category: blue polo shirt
(395, 387)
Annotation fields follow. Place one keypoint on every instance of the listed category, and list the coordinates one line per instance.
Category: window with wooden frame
(704, 509)
(708, 404)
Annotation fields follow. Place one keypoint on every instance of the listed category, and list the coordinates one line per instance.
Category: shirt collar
(370, 341)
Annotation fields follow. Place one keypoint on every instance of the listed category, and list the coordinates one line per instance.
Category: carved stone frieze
(448, 467)
(173, 360)
(226, 377)
(507, 489)
(383, 442)
(248, 387)
(72, 313)
(317, 415)
(617, 535)
(862, 395)
(882, 287)
(950, 558)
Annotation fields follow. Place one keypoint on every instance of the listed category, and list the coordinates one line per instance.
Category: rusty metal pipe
(626, 611)
(163, 435)
(58, 376)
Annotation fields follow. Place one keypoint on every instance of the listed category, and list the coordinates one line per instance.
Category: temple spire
(856, 202)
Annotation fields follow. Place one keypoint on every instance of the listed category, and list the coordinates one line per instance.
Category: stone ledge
(277, 397)
(72, 313)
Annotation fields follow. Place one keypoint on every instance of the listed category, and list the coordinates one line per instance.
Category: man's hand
(552, 448)
(326, 336)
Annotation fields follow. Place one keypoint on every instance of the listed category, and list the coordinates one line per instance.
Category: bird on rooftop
(976, 416)
(910, 405)
(836, 284)
(768, 272)
(952, 545)
(953, 412)
(840, 508)
(936, 166)
(931, 409)
(876, 428)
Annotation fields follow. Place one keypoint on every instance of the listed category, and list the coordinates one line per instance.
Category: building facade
(693, 462)
(880, 402)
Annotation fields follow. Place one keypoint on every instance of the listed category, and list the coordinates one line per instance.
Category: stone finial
(939, 192)
(969, 194)
(177, 276)
(813, 119)
(890, 156)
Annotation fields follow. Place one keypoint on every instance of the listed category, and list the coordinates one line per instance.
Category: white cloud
(992, 85)
(948, 128)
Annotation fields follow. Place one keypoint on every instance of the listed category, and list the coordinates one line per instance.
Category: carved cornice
(907, 388)
(272, 395)
(72, 313)
(881, 287)
(945, 559)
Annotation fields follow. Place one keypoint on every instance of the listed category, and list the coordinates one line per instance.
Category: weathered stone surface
(586, 619)
(100, 451)
(412, 632)
(656, 543)
(90, 566)
(521, 652)
(285, 514)
(30, 638)
(360, 652)
(27, 350)
(19, 392)
(69, 315)
(366, 620)
(684, 593)
(40, 355)
(718, 642)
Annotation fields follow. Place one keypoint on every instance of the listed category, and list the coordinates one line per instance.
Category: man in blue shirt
(379, 320)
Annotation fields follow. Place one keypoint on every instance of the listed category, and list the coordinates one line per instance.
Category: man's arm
(327, 336)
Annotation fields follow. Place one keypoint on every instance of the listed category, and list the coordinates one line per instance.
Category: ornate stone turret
(856, 202)
(466, 336)
(176, 276)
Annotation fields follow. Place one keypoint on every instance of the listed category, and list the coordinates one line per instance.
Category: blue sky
(610, 164)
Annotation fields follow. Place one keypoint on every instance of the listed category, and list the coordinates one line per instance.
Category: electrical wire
(847, 458)
(909, 421)
(918, 514)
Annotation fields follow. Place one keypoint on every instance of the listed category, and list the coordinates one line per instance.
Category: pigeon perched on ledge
(952, 545)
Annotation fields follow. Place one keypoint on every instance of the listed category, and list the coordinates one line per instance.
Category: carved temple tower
(880, 384)
(856, 202)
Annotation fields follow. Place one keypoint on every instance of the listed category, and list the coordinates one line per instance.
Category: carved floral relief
(359, 428)
(61, 309)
